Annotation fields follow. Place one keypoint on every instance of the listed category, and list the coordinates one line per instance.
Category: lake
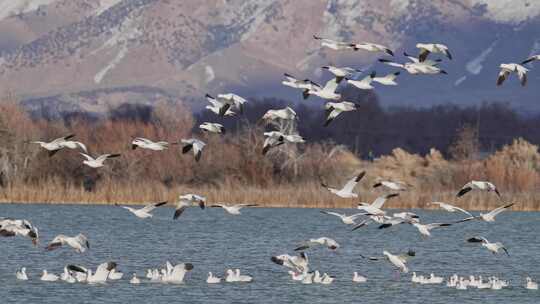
(215, 241)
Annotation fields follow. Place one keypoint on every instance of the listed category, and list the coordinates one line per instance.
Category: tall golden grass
(234, 170)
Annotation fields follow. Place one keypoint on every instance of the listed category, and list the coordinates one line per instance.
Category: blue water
(215, 241)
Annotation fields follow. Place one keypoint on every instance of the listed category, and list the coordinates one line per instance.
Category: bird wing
(379, 201)
(152, 206)
(331, 85)
(465, 189)
(477, 239)
(333, 113)
(436, 225)
(522, 74)
(391, 63)
(532, 58)
(106, 156)
(496, 211)
(332, 213)
(349, 186)
(88, 157)
(503, 74)
(460, 209)
(422, 56)
(179, 212)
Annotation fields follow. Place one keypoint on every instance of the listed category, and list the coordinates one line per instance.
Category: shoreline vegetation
(233, 169)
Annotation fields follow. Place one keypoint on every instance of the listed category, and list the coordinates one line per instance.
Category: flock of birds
(297, 264)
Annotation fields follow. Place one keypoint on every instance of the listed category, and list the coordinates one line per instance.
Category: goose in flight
(100, 276)
(276, 138)
(426, 61)
(399, 261)
(493, 247)
(428, 48)
(144, 212)
(59, 143)
(212, 127)
(188, 200)
(364, 83)
(212, 279)
(324, 241)
(99, 161)
(79, 242)
(531, 59)
(490, 216)
(333, 109)
(333, 44)
(507, 68)
(392, 185)
(478, 185)
(386, 221)
(195, 144)
(144, 143)
(345, 219)
(389, 79)
(415, 68)
(375, 208)
(346, 191)
(298, 263)
(341, 72)
(283, 114)
(49, 277)
(326, 92)
(233, 209)
(21, 274)
(304, 85)
(425, 229)
(219, 106)
(235, 101)
(450, 208)
(13, 227)
(372, 47)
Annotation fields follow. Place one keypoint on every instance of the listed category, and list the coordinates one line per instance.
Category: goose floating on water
(49, 277)
(144, 212)
(100, 276)
(212, 279)
(134, 279)
(21, 274)
(357, 278)
(530, 284)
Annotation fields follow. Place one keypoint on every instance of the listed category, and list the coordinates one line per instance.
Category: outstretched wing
(496, 211)
(379, 202)
(153, 206)
(349, 186)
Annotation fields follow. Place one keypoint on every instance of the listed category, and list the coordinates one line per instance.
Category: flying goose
(413, 59)
(99, 161)
(345, 219)
(283, 114)
(531, 59)
(324, 241)
(392, 185)
(372, 47)
(490, 216)
(304, 85)
(493, 247)
(415, 68)
(49, 277)
(59, 143)
(219, 106)
(425, 229)
(346, 191)
(144, 212)
(399, 261)
(375, 208)
(195, 144)
(507, 68)
(333, 44)
(188, 200)
(333, 109)
(364, 83)
(428, 48)
(21, 274)
(298, 263)
(212, 127)
(212, 279)
(326, 92)
(100, 276)
(341, 72)
(144, 143)
(276, 138)
(13, 227)
(450, 208)
(237, 102)
(72, 144)
(233, 209)
(79, 242)
(478, 185)
(389, 79)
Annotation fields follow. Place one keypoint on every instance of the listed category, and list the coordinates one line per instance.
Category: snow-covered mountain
(92, 54)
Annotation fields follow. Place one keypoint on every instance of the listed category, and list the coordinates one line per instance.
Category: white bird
(364, 83)
(450, 208)
(283, 114)
(326, 92)
(49, 277)
(97, 162)
(66, 276)
(176, 274)
(100, 276)
(375, 208)
(333, 109)
(392, 185)
(21, 274)
(389, 79)
(144, 143)
(399, 261)
(296, 276)
(114, 275)
(428, 48)
(188, 200)
(237, 102)
(212, 127)
(230, 276)
(531, 284)
(478, 185)
(59, 143)
(195, 144)
(275, 138)
(493, 247)
(298, 263)
(144, 212)
(333, 44)
(323, 241)
(346, 191)
(71, 144)
(242, 277)
(531, 58)
(308, 278)
(425, 229)
(317, 278)
(233, 209)
(345, 219)
(326, 279)
(135, 280)
(212, 279)
(357, 278)
(372, 47)
(341, 72)
(490, 216)
(507, 68)
(79, 242)
(416, 68)
(15, 227)
(304, 85)
(219, 106)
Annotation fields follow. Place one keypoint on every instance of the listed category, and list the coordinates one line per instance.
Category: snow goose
(21, 274)
(333, 44)
(99, 161)
(488, 217)
(176, 274)
(375, 208)
(531, 59)
(100, 276)
(71, 144)
(66, 276)
(296, 276)
(230, 276)
(212, 127)
(114, 275)
(433, 279)
(372, 47)
(493, 247)
(79, 242)
(195, 144)
(14, 227)
(212, 279)
(450, 208)
(357, 278)
(276, 138)
(428, 48)
(388, 80)
(145, 211)
(531, 284)
(242, 277)
(189, 200)
(233, 209)
(364, 83)
(283, 114)
(326, 92)
(333, 109)
(317, 278)
(49, 277)
(415, 68)
(236, 101)
(341, 72)
(392, 185)
(304, 85)
(399, 261)
(144, 143)
(323, 241)
(326, 279)
(55, 145)
(308, 278)
(425, 229)
(219, 106)
(345, 219)
(134, 279)
(478, 185)
(346, 191)
(299, 263)
(507, 68)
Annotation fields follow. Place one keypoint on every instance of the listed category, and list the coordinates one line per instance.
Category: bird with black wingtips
(322, 241)
(305, 85)
(79, 242)
(508, 68)
(145, 211)
(212, 127)
(326, 92)
(531, 59)
(346, 191)
(345, 219)
(478, 186)
(276, 138)
(15, 227)
(333, 44)
(219, 106)
(232, 209)
(333, 109)
(488, 217)
(193, 144)
(341, 72)
(392, 185)
(188, 200)
(450, 208)
(145, 143)
(59, 143)
(99, 161)
(429, 48)
(375, 208)
(364, 83)
(492, 247)
(372, 47)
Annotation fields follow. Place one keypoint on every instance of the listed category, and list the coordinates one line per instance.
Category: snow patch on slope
(209, 72)
(475, 66)
(105, 5)
(13, 7)
(101, 74)
(510, 11)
